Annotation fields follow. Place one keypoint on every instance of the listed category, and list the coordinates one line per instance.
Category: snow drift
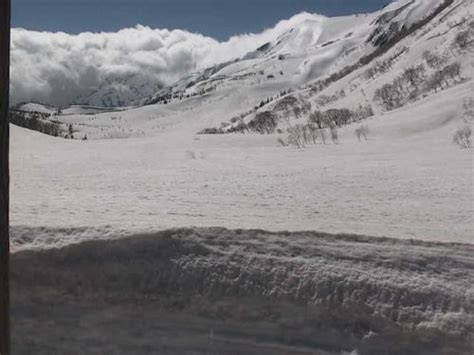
(264, 292)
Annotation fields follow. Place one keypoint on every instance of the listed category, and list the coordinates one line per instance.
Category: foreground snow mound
(252, 292)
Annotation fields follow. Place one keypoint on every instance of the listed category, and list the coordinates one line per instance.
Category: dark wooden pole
(4, 177)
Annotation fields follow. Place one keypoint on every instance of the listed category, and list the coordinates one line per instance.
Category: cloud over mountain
(58, 67)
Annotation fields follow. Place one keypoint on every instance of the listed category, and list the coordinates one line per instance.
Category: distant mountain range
(312, 47)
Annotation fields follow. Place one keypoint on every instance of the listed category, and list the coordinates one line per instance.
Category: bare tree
(264, 122)
(317, 118)
(295, 136)
(286, 104)
(334, 133)
(70, 131)
(313, 131)
(282, 143)
(435, 81)
(322, 133)
(297, 111)
(452, 71)
(399, 85)
(338, 117)
(306, 134)
(434, 61)
(305, 107)
(363, 112)
(463, 39)
(414, 75)
(370, 73)
(468, 107)
(389, 96)
(362, 132)
(462, 137)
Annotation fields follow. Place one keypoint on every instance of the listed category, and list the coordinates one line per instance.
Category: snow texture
(407, 181)
(245, 292)
(91, 273)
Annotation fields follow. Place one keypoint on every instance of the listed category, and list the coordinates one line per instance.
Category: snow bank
(311, 291)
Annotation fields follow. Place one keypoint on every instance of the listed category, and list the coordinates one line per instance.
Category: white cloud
(57, 67)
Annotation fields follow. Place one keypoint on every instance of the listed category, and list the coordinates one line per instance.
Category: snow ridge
(335, 293)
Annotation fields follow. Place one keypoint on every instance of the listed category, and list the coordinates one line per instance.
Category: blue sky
(216, 18)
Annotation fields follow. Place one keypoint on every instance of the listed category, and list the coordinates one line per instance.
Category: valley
(310, 195)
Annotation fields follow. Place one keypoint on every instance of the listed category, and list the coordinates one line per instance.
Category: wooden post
(4, 177)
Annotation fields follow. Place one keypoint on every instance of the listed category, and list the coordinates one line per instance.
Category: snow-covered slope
(311, 47)
(401, 15)
(302, 48)
(233, 89)
(93, 222)
(36, 107)
(68, 110)
(119, 92)
(407, 180)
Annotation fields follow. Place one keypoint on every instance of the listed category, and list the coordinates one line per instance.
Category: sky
(219, 19)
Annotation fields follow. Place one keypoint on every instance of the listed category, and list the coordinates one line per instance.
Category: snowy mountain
(302, 49)
(412, 96)
(36, 107)
(313, 46)
(313, 62)
(119, 92)
(352, 126)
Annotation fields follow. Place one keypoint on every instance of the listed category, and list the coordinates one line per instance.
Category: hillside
(311, 195)
(292, 53)
(314, 61)
(408, 180)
